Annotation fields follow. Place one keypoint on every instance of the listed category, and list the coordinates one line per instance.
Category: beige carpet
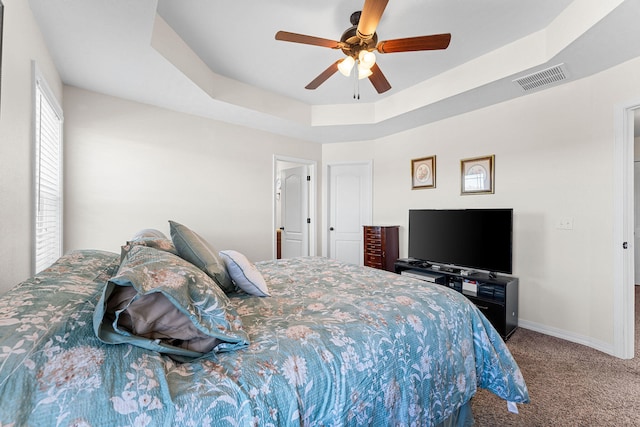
(569, 384)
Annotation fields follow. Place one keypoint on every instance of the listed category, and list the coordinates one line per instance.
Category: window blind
(48, 178)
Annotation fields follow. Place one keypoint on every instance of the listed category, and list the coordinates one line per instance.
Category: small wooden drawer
(373, 260)
(374, 233)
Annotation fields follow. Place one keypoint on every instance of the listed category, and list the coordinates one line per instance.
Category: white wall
(554, 159)
(22, 43)
(131, 166)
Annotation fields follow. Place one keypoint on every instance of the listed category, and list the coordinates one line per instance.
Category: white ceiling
(220, 59)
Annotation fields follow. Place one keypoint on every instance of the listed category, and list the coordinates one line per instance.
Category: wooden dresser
(381, 246)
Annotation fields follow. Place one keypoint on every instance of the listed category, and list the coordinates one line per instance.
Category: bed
(326, 344)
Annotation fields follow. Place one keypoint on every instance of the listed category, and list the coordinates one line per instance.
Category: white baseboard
(568, 336)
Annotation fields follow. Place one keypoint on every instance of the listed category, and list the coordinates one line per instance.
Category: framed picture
(477, 175)
(423, 173)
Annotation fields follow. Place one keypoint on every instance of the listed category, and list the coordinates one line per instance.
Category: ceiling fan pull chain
(355, 82)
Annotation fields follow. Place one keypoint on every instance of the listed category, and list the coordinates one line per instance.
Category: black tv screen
(470, 238)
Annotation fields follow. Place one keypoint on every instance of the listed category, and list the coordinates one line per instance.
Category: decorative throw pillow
(160, 243)
(200, 253)
(149, 232)
(161, 302)
(244, 273)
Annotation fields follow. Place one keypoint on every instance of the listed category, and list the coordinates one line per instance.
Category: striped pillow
(244, 274)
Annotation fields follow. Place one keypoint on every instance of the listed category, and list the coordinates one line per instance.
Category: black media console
(495, 296)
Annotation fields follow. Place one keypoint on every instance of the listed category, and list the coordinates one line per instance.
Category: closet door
(349, 199)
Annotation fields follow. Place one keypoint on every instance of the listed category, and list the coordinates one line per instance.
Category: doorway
(624, 227)
(636, 212)
(294, 212)
(294, 207)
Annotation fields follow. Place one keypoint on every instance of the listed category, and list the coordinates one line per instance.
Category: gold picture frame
(423, 173)
(477, 175)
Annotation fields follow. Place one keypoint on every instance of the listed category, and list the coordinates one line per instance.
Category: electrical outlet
(565, 223)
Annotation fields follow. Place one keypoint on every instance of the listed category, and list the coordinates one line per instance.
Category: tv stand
(496, 296)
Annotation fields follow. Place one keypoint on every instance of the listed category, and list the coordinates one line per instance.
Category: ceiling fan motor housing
(353, 44)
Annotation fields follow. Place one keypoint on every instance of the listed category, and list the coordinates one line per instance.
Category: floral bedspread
(335, 344)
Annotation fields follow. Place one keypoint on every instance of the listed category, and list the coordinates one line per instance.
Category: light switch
(565, 223)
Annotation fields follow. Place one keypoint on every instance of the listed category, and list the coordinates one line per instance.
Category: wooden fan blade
(410, 44)
(301, 38)
(323, 76)
(370, 17)
(378, 80)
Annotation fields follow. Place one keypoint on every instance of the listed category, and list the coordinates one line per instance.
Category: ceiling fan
(358, 43)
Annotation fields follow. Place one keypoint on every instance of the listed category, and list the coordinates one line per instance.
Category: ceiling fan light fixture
(364, 71)
(367, 58)
(346, 65)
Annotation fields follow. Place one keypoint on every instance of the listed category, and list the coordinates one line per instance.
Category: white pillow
(244, 274)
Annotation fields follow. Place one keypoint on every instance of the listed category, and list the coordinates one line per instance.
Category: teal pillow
(199, 252)
(161, 302)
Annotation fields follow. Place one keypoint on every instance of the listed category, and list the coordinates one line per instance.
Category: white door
(295, 211)
(349, 208)
(636, 224)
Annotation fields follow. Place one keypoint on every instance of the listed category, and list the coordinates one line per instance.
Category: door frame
(313, 214)
(623, 230)
(325, 197)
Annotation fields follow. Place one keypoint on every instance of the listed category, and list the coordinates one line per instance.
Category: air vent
(542, 78)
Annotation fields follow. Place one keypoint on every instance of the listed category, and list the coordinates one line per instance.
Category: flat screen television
(480, 239)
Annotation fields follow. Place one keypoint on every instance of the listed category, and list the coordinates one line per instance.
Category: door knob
(330, 228)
